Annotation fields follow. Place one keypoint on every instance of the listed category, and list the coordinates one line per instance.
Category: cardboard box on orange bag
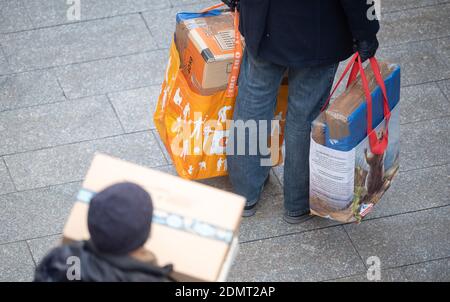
(348, 173)
(194, 226)
(205, 43)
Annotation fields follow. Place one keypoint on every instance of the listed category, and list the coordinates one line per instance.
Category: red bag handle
(377, 146)
(237, 56)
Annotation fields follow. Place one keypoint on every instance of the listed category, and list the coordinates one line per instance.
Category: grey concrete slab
(187, 2)
(35, 213)
(162, 23)
(115, 74)
(6, 183)
(268, 221)
(404, 239)
(16, 264)
(272, 188)
(437, 271)
(79, 42)
(420, 61)
(445, 88)
(311, 256)
(40, 247)
(4, 67)
(136, 107)
(422, 102)
(13, 16)
(415, 24)
(424, 144)
(430, 271)
(415, 190)
(443, 49)
(169, 169)
(70, 162)
(162, 147)
(28, 89)
(53, 12)
(399, 5)
(55, 124)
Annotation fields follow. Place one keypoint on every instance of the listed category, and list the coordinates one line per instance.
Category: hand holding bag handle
(377, 146)
(231, 90)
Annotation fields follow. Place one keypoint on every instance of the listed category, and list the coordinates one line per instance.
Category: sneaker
(297, 219)
(251, 210)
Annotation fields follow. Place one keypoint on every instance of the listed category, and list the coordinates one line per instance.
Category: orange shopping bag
(193, 127)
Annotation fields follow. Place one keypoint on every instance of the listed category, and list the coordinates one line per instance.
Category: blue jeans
(259, 82)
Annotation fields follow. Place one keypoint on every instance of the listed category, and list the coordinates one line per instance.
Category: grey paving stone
(4, 67)
(13, 16)
(443, 49)
(311, 256)
(271, 189)
(445, 88)
(77, 42)
(27, 89)
(430, 271)
(420, 61)
(169, 169)
(41, 246)
(187, 2)
(402, 26)
(16, 264)
(404, 239)
(162, 147)
(52, 12)
(268, 221)
(70, 162)
(6, 184)
(437, 271)
(387, 275)
(398, 5)
(162, 23)
(422, 102)
(136, 107)
(55, 124)
(415, 190)
(36, 213)
(115, 74)
(424, 144)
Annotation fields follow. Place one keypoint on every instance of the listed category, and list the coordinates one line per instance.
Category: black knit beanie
(119, 218)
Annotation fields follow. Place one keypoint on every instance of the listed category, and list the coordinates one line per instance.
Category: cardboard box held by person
(205, 42)
(194, 226)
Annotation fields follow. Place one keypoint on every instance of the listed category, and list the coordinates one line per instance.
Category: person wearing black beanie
(119, 223)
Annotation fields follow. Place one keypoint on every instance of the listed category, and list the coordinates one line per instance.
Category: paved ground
(68, 90)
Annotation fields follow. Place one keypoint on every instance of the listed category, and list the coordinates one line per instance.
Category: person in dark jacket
(119, 221)
(305, 39)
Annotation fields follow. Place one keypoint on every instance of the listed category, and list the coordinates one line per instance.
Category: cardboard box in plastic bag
(350, 170)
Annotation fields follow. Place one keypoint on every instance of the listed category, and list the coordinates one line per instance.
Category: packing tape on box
(176, 221)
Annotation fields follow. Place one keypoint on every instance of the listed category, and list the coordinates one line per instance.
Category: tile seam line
(250, 241)
(61, 184)
(67, 99)
(9, 174)
(341, 224)
(412, 8)
(31, 254)
(80, 21)
(115, 113)
(73, 143)
(157, 49)
(354, 247)
(390, 268)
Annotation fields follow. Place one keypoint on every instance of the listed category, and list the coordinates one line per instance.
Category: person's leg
(259, 82)
(308, 90)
